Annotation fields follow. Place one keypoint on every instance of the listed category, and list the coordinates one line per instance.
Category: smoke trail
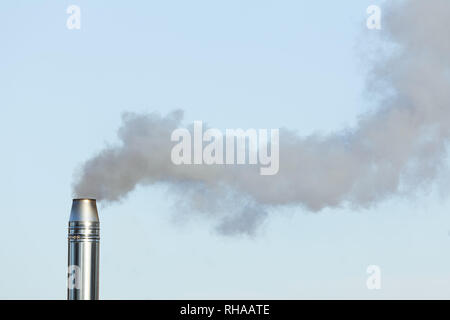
(395, 149)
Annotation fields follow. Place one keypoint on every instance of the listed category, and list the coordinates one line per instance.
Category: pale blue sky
(233, 64)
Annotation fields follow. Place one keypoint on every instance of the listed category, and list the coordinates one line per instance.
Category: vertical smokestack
(84, 241)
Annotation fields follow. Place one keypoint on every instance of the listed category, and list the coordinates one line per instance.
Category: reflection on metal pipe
(84, 241)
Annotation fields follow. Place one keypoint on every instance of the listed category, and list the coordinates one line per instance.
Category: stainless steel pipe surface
(84, 245)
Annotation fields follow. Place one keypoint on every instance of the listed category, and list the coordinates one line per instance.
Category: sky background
(232, 64)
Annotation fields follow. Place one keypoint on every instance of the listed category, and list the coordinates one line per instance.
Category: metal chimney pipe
(84, 242)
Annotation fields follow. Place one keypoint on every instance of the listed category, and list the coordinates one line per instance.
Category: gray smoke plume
(395, 149)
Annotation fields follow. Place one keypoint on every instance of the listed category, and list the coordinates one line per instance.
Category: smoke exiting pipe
(84, 245)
